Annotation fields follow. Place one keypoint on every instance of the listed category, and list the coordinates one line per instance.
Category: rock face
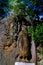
(12, 50)
(6, 45)
(40, 55)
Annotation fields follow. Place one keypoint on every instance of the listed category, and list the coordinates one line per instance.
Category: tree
(19, 7)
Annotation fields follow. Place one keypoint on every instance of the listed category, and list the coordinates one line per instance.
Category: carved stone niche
(27, 51)
(23, 63)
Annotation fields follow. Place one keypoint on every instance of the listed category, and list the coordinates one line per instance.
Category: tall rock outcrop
(13, 46)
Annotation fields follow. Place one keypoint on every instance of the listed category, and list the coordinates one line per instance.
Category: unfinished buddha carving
(24, 44)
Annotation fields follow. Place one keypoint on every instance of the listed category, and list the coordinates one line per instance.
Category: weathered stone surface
(39, 55)
(24, 45)
(9, 51)
(7, 45)
(12, 46)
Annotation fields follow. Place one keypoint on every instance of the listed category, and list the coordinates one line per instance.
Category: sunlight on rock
(11, 25)
(9, 48)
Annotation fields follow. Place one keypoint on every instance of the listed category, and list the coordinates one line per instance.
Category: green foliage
(17, 6)
(42, 53)
(36, 2)
(33, 2)
(38, 34)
